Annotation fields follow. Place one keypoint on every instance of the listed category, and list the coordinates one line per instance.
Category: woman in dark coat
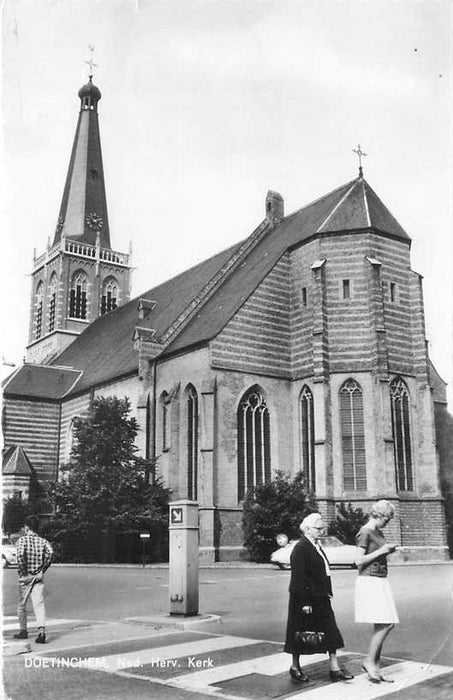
(310, 591)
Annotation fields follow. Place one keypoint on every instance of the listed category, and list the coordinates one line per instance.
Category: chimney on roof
(274, 205)
(145, 306)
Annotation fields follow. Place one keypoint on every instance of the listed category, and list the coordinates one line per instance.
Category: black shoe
(297, 676)
(23, 634)
(41, 638)
(340, 675)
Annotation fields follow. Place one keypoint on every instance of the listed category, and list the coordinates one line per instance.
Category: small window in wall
(304, 296)
(38, 311)
(346, 289)
(393, 292)
(78, 296)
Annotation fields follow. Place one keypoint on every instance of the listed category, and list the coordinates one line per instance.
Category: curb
(176, 621)
(235, 565)
(11, 648)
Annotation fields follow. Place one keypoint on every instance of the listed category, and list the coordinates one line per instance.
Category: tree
(347, 523)
(106, 489)
(15, 510)
(277, 506)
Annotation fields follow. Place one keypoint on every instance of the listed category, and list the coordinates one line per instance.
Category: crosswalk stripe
(266, 665)
(173, 651)
(405, 675)
(54, 622)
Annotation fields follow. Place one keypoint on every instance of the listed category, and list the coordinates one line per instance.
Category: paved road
(246, 646)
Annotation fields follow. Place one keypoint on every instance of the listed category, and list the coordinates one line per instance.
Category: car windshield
(330, 542)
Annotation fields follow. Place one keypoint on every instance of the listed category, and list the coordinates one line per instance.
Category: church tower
(79, 277)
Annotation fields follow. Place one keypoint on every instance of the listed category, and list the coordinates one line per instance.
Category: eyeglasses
(318, 527)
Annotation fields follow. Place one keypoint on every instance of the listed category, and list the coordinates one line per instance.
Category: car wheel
(4, 562)
(284, 566)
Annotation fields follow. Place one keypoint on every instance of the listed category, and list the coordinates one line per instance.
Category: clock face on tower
(94, 221)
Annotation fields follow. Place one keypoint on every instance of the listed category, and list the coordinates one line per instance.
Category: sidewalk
(238, 565)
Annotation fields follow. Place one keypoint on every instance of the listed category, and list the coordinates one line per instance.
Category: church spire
(83, 211)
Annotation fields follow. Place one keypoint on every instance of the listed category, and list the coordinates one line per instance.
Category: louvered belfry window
(109, 298)
(192, 443)
(39, 295)
(254, 453)
(78, 296)
(308, 437)
(52, 301)
(399, 396)
(353, 436)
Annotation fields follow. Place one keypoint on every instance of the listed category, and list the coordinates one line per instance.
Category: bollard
(183, 574)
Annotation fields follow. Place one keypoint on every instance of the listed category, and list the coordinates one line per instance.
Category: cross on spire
(360, 153)
(91, 62)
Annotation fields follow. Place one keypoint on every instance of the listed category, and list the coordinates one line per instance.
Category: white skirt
(374, 600)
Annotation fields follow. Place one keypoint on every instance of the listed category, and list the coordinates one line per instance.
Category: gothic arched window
(401, 429)
(78, 296)
(307, 434)
(38, 310)
(52, 301)
(109, 298)
(254, 453)
(192, 443)
(353, 436)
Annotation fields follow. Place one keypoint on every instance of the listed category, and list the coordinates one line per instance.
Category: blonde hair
(382, 509)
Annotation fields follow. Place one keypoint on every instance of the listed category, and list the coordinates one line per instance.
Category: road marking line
(144, 657)
(405, 675)
(270, 665)
(9, 627)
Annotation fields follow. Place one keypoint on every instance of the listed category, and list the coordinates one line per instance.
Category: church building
(301, 347)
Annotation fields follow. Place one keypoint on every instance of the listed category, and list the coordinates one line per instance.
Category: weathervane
(360, 153)
(91, 62)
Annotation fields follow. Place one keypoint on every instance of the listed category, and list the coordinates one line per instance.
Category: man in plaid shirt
(34, 556)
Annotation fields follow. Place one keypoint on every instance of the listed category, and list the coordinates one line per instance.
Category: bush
(276, 506)
(347, 523)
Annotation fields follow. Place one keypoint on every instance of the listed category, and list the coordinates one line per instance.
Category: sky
(206, 105)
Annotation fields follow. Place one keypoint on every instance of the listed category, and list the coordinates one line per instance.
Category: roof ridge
(212, 285)
(319, 199)
(337, 206)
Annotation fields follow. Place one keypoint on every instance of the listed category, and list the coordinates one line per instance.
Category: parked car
(9, 557)
(337, 553)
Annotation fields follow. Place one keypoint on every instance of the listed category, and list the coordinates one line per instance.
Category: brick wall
(34, 426)
(257, 339)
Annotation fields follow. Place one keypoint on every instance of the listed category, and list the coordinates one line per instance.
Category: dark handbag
(310, 640)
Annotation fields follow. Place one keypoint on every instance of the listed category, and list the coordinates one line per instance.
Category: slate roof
(41, 381)
(15, 461)
(105, 349)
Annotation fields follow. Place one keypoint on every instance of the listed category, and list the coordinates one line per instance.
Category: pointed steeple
(83, 211)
